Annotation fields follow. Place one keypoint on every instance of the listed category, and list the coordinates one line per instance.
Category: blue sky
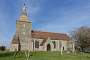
(46, 15)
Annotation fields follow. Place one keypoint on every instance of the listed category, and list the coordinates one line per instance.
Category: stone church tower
(23, 31)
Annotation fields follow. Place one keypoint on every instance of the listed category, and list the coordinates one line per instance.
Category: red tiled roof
(51, 35)
(43, 35)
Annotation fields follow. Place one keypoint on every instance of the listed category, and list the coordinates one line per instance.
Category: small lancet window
(54, 43)
(36, 44)
(24, 25)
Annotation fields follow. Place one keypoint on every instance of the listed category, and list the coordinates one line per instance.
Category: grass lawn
(45, 56)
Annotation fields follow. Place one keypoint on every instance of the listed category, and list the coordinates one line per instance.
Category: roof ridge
(49, 32)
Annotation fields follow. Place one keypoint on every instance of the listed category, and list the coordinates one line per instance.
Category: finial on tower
(24, 12)
(24, 9)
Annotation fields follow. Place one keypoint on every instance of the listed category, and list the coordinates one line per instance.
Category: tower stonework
(23, 27)
(23, 30)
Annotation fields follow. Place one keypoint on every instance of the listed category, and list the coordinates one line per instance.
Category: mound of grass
(44, 56)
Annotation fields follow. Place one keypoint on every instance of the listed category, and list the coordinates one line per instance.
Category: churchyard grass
(44, 56)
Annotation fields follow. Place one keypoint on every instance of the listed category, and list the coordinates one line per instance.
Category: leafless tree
(82, 38)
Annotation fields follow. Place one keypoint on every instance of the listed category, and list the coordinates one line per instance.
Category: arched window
(54, 43)
(60, 44)
(24, 25)
(63, 47)
(36, 44)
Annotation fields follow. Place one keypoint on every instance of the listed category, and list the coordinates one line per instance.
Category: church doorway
(48, 47)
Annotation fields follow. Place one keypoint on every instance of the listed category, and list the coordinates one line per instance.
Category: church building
(27, 39)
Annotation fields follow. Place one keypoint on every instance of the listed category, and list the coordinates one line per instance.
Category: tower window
(36, 44)
(24, 25)
(23, 33)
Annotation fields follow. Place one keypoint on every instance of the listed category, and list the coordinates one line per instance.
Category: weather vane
(25, 1)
